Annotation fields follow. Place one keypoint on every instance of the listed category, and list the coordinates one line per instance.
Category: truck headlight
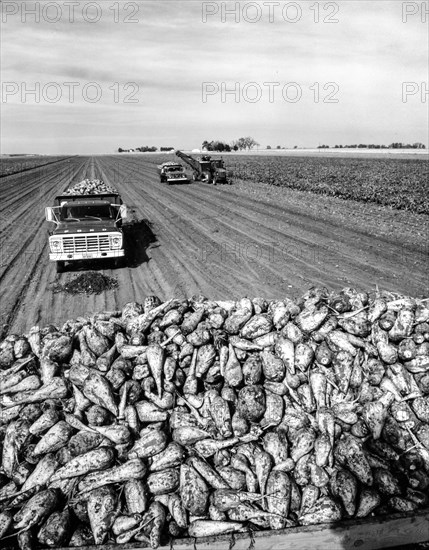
(116, 242)
(55, 245)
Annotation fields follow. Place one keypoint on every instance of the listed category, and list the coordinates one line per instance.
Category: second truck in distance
(172, 172)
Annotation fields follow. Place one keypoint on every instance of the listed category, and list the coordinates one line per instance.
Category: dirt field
(223, 242)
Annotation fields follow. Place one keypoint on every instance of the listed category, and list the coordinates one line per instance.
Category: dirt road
(223, 242)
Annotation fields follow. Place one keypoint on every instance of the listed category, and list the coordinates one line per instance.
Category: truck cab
(172, 172)
(87, 227)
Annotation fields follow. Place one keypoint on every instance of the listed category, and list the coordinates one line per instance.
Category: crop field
(226, 241)
(17, 164)
(401, 184)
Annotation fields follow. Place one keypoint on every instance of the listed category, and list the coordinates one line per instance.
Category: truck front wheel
(61, 266)
(119, 262)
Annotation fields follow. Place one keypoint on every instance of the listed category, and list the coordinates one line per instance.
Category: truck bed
(113, 198)
(388, 531)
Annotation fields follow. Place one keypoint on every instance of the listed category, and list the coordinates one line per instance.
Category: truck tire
(119, 262)
(61, 267)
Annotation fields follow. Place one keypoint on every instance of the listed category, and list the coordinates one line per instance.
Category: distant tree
(295, 146)
(278, 147)
(250, 142)
(246, 143)
(120, 150)
(216, 145)
(146, 149)
(268, 146)
(241, 143)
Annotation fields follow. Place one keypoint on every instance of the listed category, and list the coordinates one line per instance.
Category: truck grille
(86, 243)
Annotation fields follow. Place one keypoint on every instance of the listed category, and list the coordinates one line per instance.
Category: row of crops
(15, 165)
(397, 183)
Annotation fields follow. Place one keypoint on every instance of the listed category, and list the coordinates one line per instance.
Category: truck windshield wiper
(72, 220)
(93, 217)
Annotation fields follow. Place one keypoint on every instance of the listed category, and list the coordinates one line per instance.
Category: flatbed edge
(362, 534)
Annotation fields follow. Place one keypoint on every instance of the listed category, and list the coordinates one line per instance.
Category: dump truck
(87, 227)
(172, 172)
(205, 168)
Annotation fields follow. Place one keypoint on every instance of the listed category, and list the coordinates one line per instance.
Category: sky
(81, 77)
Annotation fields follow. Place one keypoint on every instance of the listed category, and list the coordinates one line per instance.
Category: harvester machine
(205, 168)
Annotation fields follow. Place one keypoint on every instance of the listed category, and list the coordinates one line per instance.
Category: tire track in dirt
(218, 241)
(197, 239)
(24, 233)
(178, 256)
(305, 249)
(25, 215)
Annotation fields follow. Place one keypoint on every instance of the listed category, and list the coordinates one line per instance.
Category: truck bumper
(178, 180)
(70, 257)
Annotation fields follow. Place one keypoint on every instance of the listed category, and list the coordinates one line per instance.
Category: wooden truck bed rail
(363, 534)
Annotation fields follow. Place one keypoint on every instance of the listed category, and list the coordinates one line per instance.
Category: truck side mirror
(122, 211)
(50, 215)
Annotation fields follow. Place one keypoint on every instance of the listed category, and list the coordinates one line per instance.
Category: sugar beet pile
(92, 282)
(90, 187)
(194, 418)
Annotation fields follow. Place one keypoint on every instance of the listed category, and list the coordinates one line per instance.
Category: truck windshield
(94, 212)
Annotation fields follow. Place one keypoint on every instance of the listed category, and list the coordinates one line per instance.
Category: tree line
(248, 143)
(398, 145)
(145, 149)
(240, 144)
